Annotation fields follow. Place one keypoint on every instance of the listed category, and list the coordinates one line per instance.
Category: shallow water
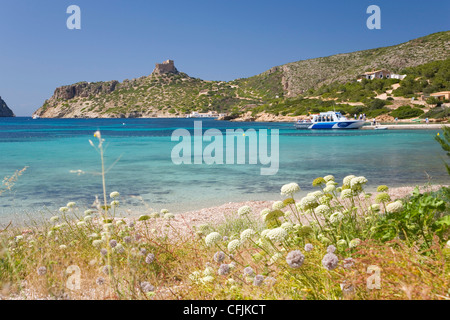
(51, 148)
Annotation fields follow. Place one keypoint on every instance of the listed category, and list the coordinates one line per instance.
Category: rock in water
(4, 110)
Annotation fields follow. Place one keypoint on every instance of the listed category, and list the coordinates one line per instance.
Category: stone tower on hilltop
(167, 66)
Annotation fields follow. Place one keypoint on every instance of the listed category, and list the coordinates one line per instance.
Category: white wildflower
(244, 210)
(277, 234)
(290, 189)
(114, 194)
(394, 207)
(233, 245)
(278, 205)
(247, 234)
(212, 238)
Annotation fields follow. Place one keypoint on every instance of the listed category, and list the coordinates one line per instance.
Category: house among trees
(380, 74)
(441, 96)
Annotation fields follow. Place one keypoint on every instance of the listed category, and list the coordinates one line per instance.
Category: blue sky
(212, 40)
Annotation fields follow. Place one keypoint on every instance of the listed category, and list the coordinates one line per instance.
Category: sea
(63, 166)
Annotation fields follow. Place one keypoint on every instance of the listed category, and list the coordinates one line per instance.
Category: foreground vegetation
(338, 242)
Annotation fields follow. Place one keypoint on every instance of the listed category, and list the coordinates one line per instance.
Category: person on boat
(374, 122)
(355, 116)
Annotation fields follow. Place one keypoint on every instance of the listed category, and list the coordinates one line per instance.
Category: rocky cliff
(4, 110)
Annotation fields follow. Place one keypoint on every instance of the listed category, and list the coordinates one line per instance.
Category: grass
(336, 243)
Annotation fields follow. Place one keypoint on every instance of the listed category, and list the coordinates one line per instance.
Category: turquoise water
(51, 148)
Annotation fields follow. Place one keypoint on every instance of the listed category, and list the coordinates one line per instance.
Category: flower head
(318, 181)
(346, 181)
(331, 249)
(100, 281)
(308, 247)
(54, 219)
(341, 243)
(97, 243)
(119, 248)
(248, 271)
(242, 211)
(336, 217)
(308, 202)
(107, 269)
(315, 194)
(258, 280)
(290, 189)
(147, 287)
(382, 188)
(114, 195)
(115, 203)
(295, 259)
(63, 209)
(234, 245)
(346, 193)
(278, 205)
(169, 216)
(329, 188)
(112, 243)
(41, 271)
(354, 243)
(247, 234)
(219, 256)
(288, 226)
(71, 205)
(328, 178)
(322, 209)
(357, 182)
(224, 269)
(394, 207)
(212, 238)
(330, 261)
(278, 234)
(382, 197)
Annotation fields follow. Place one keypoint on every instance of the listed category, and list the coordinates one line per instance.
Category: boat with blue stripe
(329, 120)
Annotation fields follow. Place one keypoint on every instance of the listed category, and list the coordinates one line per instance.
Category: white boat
(35, 116)
(380, 128)
(329, 120)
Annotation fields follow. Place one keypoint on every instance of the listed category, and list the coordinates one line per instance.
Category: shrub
(406, 112)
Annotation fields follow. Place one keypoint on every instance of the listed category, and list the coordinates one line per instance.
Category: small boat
(380, 128)
(303, 124)
(329, 120)
(35, 116)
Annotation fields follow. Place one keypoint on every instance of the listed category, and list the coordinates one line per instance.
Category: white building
(380, 74)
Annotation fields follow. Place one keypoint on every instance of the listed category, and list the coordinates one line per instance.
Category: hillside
(168, 92)
(4, 110)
